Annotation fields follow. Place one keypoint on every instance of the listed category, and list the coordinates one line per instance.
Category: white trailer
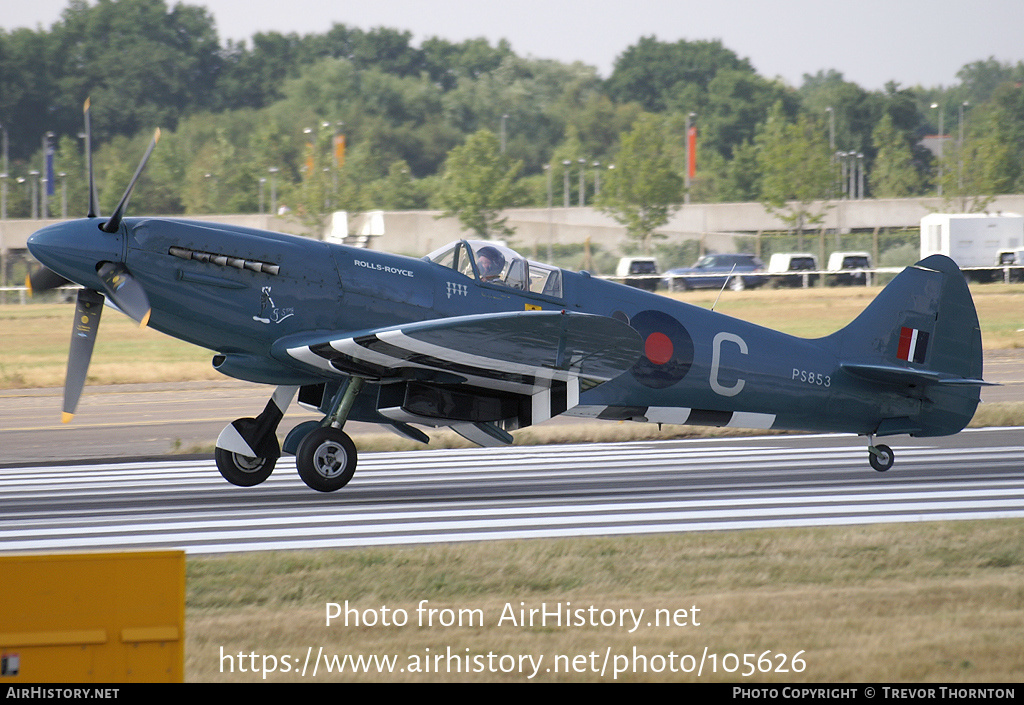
(971, 239)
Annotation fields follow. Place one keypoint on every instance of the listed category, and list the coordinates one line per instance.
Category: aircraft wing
(543, 358)
(513, 351)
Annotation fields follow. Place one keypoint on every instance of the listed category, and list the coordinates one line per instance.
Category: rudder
(920, 337)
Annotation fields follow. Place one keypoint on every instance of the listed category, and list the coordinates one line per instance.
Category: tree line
(359, 119)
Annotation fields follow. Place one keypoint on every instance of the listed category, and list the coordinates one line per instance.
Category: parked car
(645, 266)
(790, 269)
(1012, 258)
(712, 271)
(848, 268)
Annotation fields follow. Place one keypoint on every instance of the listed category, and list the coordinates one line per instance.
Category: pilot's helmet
(490, 262)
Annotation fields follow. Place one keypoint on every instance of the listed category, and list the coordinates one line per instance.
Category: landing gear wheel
(326, 460)
(884, 458)
(241, 470)
(737, 284)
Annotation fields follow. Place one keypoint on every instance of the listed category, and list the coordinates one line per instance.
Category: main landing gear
(325, 456)
(880, 456)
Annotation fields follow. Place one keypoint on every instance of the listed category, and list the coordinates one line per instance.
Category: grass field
(939, 602)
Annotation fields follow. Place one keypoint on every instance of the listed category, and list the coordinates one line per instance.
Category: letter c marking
(716, 354)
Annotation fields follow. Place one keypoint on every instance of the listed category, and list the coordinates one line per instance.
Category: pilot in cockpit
(490, 263)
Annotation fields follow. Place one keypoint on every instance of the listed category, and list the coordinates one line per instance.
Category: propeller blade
(125, 291)
(114, 223)
(94, 201)
(44, 279)
(83, 338)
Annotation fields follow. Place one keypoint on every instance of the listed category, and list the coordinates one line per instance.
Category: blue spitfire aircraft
(479, 339)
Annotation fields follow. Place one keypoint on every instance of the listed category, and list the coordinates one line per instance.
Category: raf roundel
(668, 349)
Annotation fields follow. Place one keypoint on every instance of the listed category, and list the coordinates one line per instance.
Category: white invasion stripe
(353, 349)
(350, 347)
(668, 414)
(401, 340)
(541, 409)
(750, 419)
(680, 415)
(307, 356)
(231, 440)
(283, 396)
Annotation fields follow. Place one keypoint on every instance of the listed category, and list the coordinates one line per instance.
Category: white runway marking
(519, 492)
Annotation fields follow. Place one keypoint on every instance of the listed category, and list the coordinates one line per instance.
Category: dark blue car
(711, 272)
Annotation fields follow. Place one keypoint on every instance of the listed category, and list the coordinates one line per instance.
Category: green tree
(27, 88)
(797, 173)
(990, 159)
(478, 183)
(894, 174)
(653, 73)
(643, 191)
(398, 190)
(736, 103)
(144, 64)
(854, 111)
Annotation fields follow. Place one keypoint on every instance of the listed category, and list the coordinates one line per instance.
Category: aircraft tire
(326, 459)
(884, 461)
(736, 283)
(241, 470)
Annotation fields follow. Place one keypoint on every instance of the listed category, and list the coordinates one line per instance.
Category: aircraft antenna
(724, 284)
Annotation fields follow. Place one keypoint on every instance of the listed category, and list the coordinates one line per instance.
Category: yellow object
(92, 617)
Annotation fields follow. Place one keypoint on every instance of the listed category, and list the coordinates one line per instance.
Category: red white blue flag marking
(913, 345)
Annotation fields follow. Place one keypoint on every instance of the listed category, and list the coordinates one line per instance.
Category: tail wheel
(326, 459)
(881, 457)
(242, 470)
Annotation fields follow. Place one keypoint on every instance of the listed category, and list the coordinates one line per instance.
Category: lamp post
(211, 195)
(960, 149)
(831, 128)
(860, 175)
(63, 194)
(34, 186)
(935, 106)
(852, 187)
(4, 175)
(273, 189)
(47, 175)
(583, 185)
(547, 169)
(565, 178)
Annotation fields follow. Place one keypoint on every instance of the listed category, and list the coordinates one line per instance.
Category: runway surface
(517, 492)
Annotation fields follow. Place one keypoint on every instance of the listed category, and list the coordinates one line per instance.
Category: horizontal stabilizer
(906, 375)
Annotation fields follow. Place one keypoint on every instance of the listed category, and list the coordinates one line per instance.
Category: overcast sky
(913, 42)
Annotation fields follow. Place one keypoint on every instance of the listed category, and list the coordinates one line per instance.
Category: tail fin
(921, 338)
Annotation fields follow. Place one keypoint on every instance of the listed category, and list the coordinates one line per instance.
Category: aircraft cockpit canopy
(496, 264)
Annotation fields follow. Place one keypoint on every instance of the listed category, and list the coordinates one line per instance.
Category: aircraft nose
(73, 249)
